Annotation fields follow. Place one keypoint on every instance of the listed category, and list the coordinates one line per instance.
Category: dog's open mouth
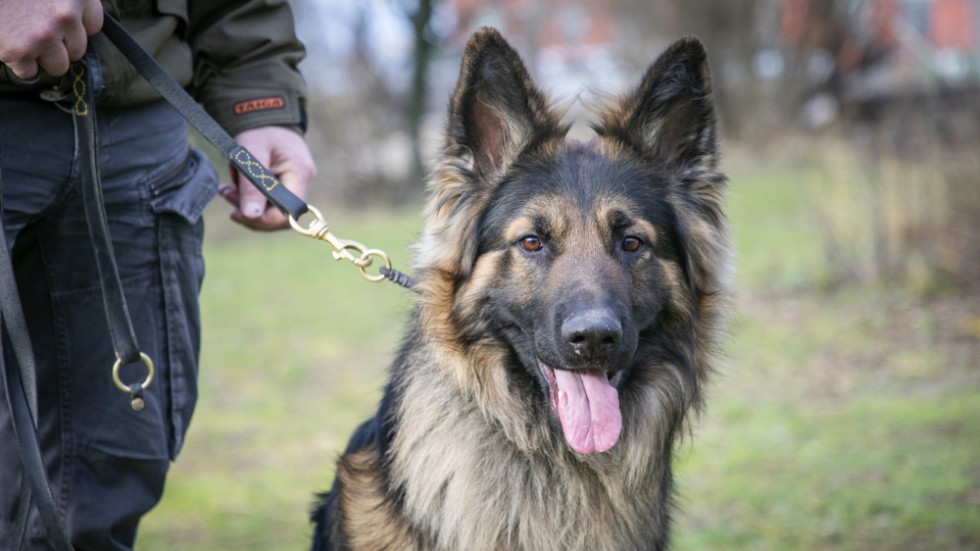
(587, 406)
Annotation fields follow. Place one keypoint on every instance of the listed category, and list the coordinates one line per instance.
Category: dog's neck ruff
(487, 491)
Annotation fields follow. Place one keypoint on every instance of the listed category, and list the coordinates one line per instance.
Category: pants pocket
(178, 205)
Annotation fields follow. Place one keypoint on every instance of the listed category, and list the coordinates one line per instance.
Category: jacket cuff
(238, 110)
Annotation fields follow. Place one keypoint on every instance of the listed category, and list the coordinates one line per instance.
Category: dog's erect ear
(495, 114)
(496, 111)
(670, 116)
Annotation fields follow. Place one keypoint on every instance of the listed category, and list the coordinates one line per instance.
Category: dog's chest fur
(484, 492)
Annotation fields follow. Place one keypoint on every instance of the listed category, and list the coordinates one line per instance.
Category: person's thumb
(251, 202)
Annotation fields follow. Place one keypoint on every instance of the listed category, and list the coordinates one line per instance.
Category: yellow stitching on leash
(244, 159)
(78, 87)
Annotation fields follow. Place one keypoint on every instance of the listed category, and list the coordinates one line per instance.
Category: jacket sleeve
(245, 63)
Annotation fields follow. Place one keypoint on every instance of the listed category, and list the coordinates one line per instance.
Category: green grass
(841, 420)
(823, 445)
(295, 350)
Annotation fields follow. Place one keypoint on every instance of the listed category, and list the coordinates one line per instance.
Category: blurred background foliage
(846, 416)
(883, 95)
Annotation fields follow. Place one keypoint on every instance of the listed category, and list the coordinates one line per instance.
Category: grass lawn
(845, 419)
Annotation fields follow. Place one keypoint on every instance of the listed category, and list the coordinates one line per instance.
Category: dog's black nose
(592, 333)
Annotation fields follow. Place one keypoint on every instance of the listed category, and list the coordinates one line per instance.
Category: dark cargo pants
(106, 463)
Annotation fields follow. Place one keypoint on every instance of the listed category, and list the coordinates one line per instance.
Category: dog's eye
(531, 243)
(631, 243)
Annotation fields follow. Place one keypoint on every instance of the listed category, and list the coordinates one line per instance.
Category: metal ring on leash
(365, 261)
(136, 390)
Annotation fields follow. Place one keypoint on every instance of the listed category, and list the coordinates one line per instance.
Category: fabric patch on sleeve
(259, 104)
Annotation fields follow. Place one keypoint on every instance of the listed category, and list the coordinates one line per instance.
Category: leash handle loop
(118, 320)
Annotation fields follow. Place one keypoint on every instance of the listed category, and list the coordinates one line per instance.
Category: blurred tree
(728, 30)
(419, 14)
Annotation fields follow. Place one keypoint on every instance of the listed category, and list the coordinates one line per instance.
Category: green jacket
(238, 58)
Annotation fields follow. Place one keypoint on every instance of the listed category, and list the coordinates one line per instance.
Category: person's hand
(46, 34)
(288, 157)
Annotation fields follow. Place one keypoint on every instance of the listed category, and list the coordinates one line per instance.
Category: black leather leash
(83, 86)
(245, 162)
(19, 387)
(21, 393)
(20, 384)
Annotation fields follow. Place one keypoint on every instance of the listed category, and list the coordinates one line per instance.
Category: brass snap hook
(343, 249)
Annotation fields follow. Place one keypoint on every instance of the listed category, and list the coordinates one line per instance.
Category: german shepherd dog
(571, 296)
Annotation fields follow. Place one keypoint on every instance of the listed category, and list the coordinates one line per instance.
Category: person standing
(107, 463)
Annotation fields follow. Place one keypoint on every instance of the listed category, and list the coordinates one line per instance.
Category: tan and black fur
(544, 260)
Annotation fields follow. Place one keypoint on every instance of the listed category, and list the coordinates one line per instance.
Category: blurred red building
(548, 24)
(940, 34)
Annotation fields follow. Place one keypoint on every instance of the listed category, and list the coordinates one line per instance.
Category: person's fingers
(54, 59)
(272, 220)
(250, 200)
(254, 211)
(75, 42)
(229, 192)
(287, 156)
(298, 170)
(295, 170)
(76, 35)
(92, 17)
(33, 43)
(26, 69)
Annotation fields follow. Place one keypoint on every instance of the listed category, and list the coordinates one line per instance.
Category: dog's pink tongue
(588, 408)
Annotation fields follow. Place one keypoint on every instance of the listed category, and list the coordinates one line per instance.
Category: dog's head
(582, 281)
